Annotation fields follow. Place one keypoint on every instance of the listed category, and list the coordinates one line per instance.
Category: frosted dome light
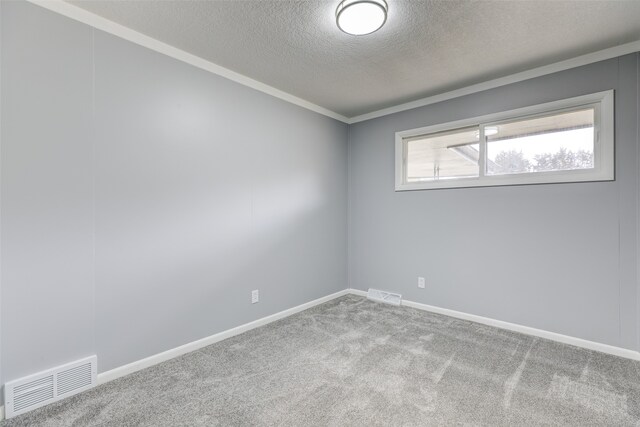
(360, 17)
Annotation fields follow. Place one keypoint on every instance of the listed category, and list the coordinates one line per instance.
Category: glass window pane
(444, 155)
(560, 142)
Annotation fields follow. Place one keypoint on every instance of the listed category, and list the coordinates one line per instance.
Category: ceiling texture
(426, 47)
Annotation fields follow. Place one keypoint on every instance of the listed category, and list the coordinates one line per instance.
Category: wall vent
(31, 392)
(384, 296)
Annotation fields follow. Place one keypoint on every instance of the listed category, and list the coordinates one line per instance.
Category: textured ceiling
(425, 48)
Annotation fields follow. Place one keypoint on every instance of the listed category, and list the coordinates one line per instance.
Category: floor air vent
(383, 296)
(34, 391)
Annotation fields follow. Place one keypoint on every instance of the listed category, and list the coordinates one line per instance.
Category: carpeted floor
(355, 362)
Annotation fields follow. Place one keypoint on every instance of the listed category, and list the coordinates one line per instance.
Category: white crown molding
(195, 345)
(103, 24)
(553, 336)
(601, 55)
(81, 15)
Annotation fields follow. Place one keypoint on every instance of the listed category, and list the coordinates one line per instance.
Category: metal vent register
(34, 391)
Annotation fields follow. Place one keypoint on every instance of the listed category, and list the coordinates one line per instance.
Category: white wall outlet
(421, 282)
(255, 296)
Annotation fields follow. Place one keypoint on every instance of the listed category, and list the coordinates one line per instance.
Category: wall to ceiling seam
(560, 257)
(131, 230)
(144, 198)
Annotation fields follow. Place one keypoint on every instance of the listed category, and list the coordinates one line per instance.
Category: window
(563, 141)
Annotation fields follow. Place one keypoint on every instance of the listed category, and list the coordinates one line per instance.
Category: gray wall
(46, 190)
(143, 199)
(637, 260)
(560, 257)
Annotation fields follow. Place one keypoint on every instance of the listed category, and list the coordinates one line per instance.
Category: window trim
(604, 161)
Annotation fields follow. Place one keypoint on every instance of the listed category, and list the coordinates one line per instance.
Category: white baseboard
(195, 345)
(553, 336)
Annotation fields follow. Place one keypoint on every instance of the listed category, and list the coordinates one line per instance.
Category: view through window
(559, 142)
(563, 141)
(443, 155)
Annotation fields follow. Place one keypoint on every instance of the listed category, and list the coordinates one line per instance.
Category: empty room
(319, 213)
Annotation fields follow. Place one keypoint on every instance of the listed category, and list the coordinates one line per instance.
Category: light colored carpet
(355, 362)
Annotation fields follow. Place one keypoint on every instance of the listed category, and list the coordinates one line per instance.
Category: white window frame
(604, 161)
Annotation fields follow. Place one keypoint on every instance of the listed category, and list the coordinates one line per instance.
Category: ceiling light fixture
(360, 17)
